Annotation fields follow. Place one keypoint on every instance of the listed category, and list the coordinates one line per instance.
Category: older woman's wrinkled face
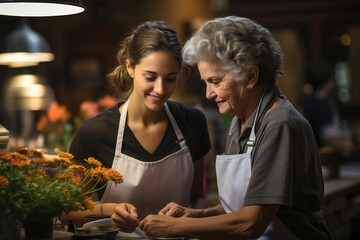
(229, 95)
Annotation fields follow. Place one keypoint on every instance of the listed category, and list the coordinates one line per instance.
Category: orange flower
(63, 176)
(40, 160)
(51, 162)
(99, 174)
(62, 162)
(37, 172)
(41, 123)
(19, 160)
(77, 168)
(22, 150)
(4, 181)
(114, 176)
(87, 203)
(5, 157)
(76, 179)
(67, 182)
(66, 155)
(58, 112)
(93, 162)
(33, 153)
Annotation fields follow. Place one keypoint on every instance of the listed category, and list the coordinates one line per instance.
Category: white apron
(233, 174)
(149, 186)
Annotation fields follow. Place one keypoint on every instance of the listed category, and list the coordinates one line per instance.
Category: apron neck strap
(121, 130)
(180, 137)
(251, 141)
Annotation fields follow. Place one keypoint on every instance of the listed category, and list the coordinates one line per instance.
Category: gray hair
(238, 43)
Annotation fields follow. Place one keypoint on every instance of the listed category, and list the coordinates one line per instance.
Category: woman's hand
(157, 225)
(125, 217)
(175, 210)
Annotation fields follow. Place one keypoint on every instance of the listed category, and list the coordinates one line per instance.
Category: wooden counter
(341, 206)
(340, 186)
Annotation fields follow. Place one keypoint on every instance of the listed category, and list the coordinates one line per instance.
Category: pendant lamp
(24, 47)
(40, 8)
(28, 92)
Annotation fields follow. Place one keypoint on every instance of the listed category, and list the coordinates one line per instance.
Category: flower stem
(95, 190)
(87, 175)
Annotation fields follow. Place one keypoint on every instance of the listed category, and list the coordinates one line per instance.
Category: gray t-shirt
(286, 167)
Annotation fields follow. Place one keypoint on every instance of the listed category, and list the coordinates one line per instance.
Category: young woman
(156, 144)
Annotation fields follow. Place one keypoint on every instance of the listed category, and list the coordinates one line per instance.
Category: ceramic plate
(99, 223)
(174, 238)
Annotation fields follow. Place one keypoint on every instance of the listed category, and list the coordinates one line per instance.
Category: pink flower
(89, 108)
(107, 101)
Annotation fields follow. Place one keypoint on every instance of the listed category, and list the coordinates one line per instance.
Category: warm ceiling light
(345, 39)
(24, 59)
(25, 47)
(40, 8)
(28, 92)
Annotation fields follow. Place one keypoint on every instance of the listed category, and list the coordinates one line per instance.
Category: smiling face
(155, 78)
(230, 96)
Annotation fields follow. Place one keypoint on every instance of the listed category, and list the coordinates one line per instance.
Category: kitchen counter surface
(341, 206)
(341, 186)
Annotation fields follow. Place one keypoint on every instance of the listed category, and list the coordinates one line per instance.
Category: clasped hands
(125, 218)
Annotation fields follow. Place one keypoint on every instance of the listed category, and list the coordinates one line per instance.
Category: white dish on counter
(99, 223)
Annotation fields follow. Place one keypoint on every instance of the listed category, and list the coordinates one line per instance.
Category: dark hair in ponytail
(146, 38)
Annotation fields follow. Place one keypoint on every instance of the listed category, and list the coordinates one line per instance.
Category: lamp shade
(40, 8)
(25, 47)
(28, 92)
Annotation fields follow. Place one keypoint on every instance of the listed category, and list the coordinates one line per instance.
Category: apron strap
(251, 141)
(121, 130)
(180, 137)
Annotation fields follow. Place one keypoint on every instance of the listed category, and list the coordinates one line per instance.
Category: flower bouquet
(56, 126)
(34, 188)
(59, 125)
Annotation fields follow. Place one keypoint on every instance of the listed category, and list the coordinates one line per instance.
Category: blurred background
(43, 103)
(84, 47)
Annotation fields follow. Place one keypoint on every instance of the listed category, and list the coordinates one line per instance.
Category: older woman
(270, 181)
